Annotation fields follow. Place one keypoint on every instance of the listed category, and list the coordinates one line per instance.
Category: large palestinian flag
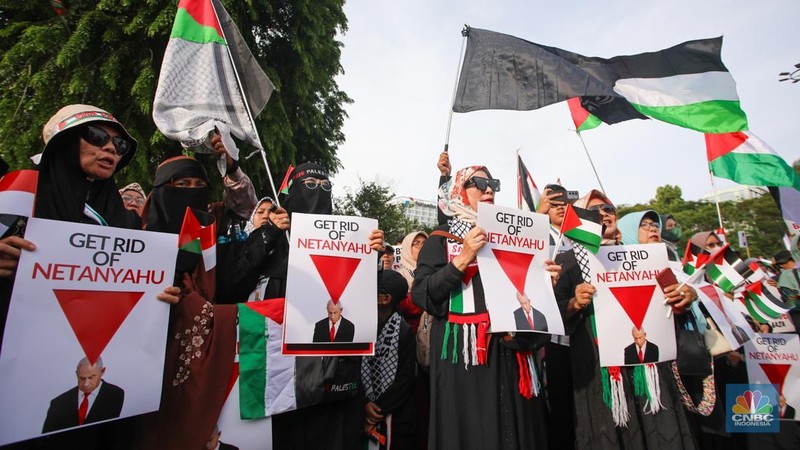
(198, 87)
(746, 159)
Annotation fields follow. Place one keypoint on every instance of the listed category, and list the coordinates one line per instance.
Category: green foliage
(375, 201)
(108, 53)
(759, 218)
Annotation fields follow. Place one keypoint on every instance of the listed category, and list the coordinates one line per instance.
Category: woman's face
(133, 201)
(475, 195)
(608, 214)
(262, 214)
(713, 243)
(649, 231)
(99, 162)
(416, 246)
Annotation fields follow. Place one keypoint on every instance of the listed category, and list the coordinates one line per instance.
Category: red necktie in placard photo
(336, 272)
(95, 316)
(634, 300)
(515, 265)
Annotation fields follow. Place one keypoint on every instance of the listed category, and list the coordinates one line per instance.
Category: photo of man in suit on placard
(641, 351)
(334, 328)
(785, 411)
(93, 400)
(527, 317)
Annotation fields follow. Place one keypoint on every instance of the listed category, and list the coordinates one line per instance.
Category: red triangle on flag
(95, 316)
(571, 220)
(755, 288)
(203, 12)
(469, 272)
(515, 265)
(776, 373)
(271, 308)
(721, 144)
(336, 272)
(634, 300)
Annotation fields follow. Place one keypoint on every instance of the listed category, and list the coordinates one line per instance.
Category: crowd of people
(439, 379)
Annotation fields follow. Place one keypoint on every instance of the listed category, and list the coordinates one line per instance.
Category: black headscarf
(304, 200)
(64, 189)
(166, 206)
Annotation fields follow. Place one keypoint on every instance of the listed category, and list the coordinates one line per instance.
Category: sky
(401, 60)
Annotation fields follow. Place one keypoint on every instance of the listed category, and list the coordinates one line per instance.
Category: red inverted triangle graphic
(95, 316)
(469, 273)
(515, 265)
(335, 272)
(711, 292)
(271, 308)
(634, 300)
(776, 373)
(721, 144)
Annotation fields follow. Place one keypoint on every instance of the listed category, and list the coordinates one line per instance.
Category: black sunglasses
(98, 137)
(605, 207)
(482, 183)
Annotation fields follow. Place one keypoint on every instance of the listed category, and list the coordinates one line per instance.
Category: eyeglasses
(135, 200)
(418, 243)
(312, 183)
(482, 183)
(650, 225)
(604, 207)
(99, 137)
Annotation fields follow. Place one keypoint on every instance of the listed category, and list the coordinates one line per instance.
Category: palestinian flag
(18, 192)
(527, 193)
(746, 159)
(266, 378)
(208, 76)
(752, 272)
(286, 183)
(694, 258)
(762, 304)
(721, 268)
(199, 239)
(583, 119)
(583, 226)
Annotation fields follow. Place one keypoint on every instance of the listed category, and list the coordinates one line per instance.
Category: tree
(108, 53)
(375, 201)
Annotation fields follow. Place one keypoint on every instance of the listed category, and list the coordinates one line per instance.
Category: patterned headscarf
(453, 200)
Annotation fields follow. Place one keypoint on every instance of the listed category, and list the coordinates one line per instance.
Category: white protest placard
(782, 324)
(633, 326)
(85, 292)
(331, 287)
(519, 291)
(774, 359)
(729, 321)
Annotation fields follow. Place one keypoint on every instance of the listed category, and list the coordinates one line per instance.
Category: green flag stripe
(457, 301)
(755, 169)
(717, 116)
(253, 336)
(591, 122)
(754, 313)
(589, 240)
(767, 307)
(188, 29)
(716, 274)
(192, 246)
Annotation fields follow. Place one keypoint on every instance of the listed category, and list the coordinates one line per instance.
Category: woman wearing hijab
(477, 400)
(409, 252)
(595, 426)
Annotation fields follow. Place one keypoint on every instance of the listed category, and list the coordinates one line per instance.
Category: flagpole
(249, 114)
(590, 161)
(716, 197)
(464, 33)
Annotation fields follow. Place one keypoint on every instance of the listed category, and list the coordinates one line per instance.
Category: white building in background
(736, 194)
(423, 211)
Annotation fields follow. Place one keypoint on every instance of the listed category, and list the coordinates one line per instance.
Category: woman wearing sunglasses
(476, 401)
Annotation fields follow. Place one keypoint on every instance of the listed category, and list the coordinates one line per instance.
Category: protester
(671, 235)
(133, 197)
(409, 252)
(554, 202)
(476, 401)
(387, 260)
(388, 377)
(202, 335)
(595, 425)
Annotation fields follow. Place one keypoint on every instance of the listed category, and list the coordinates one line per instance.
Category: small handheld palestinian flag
(762, 304)
(527, 193)
(198, 239)
(583, 119)
(286, 183)
(721, 268)
(694, 258)
(18, 192)
(583, 226)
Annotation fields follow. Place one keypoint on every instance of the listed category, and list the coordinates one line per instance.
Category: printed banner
(331, 287)
(633, 323)
(519, 291)
(773, 359)
(84, 319)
